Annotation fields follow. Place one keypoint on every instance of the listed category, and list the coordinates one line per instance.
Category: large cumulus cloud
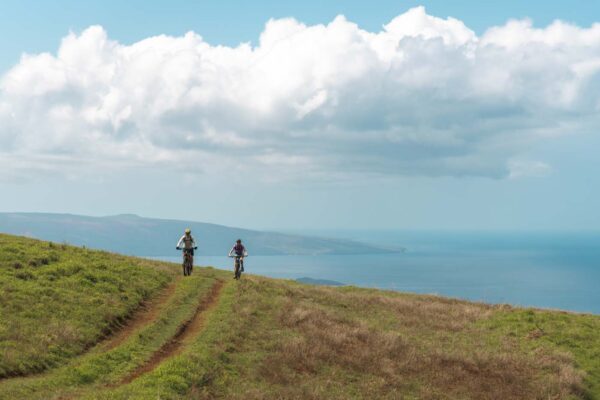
(424, 96)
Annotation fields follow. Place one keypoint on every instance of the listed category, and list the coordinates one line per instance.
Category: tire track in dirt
(145, 314)
(150, 311)
(186, 331)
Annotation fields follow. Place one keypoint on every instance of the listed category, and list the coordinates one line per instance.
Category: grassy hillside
(56, 300)
(208, 336)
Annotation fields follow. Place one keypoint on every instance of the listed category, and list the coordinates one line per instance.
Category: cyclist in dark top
(238, 251)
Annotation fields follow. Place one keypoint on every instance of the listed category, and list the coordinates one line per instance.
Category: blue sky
(446, 140)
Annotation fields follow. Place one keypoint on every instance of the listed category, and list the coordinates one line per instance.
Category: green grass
(275, 339)
(575, 335)
(271, 339)
(198, 364)
(100, 368)
(57, 301)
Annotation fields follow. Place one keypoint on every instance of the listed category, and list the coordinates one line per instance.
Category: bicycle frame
(239, 265)
(188, 262)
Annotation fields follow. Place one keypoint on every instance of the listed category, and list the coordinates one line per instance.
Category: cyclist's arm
(245, 252)
(180, 243)
(231, 252)
(194, 243)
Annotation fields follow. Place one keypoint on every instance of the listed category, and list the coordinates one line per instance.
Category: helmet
(188, 231)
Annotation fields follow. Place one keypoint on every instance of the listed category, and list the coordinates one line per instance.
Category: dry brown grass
(301, 342)
(431, 349)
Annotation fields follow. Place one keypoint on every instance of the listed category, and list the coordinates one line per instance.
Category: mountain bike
(239, 266)
(188, 261)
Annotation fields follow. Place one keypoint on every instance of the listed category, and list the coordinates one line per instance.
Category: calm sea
(548, 270)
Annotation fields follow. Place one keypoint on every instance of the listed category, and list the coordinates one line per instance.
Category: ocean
(548, 270)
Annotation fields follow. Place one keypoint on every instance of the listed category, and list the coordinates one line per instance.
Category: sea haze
(548, 270)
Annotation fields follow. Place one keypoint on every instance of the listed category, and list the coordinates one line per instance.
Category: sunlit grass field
(85, 324)
(57, 301)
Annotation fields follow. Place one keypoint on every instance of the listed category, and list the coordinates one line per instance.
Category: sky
(304, 115)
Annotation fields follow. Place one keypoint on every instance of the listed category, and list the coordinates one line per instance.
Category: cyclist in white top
(187, 242)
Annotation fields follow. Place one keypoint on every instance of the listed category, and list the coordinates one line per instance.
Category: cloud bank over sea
(424, 96)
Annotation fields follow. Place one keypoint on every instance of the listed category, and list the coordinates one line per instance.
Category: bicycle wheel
(187, 264)
(190, 265)
(237, 269)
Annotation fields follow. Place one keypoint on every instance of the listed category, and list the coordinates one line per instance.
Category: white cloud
(424, 96)
(524, 169)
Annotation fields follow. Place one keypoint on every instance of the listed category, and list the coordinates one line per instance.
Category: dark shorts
(189, 251)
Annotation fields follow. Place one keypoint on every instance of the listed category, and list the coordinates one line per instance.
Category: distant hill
(134, 235)
(323, 282)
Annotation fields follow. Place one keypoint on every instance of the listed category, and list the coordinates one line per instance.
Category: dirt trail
(185, 333)
(149, 312)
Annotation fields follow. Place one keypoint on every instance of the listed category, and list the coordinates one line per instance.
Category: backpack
(188, 242)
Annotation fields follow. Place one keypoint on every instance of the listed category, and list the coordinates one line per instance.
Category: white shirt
(188, 243)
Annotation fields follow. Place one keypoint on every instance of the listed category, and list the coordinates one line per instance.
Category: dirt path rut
(185, 333)
(150, 311)
(145, 315)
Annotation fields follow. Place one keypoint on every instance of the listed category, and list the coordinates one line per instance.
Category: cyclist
(188, 244)
(239, 252)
